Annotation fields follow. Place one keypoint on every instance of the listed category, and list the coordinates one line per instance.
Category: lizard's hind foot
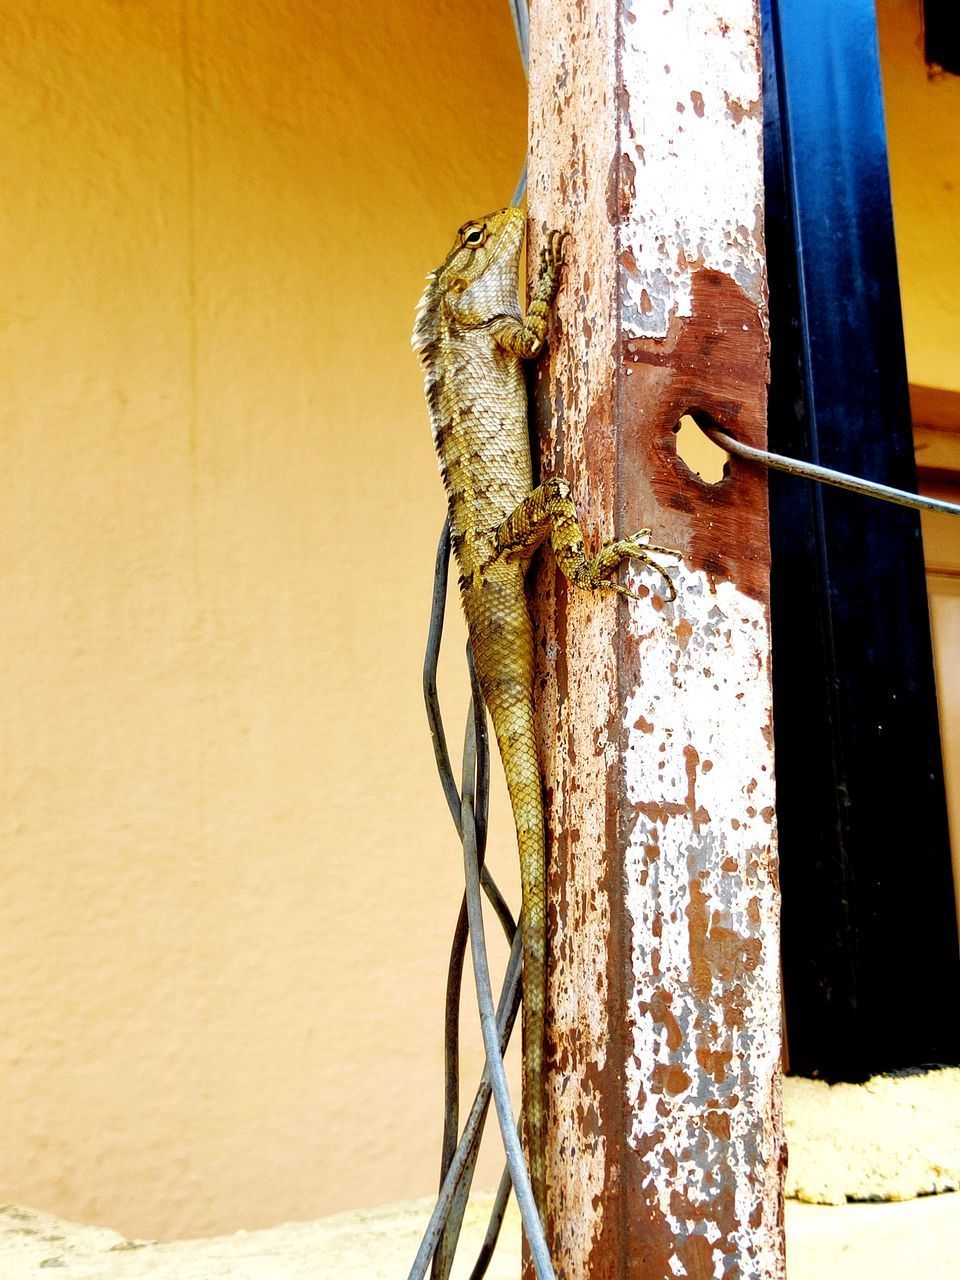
(608, 559)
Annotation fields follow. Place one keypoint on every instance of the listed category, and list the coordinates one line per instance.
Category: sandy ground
(917, 1238)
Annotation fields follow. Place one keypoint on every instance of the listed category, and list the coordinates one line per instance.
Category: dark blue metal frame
(870, 949)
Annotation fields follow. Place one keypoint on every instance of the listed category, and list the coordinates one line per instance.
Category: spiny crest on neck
(426, 326)
(426, 336)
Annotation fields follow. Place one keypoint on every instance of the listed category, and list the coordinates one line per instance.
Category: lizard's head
(480, 278)
(478, 281)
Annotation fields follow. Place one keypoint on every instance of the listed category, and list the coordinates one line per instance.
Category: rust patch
(715, 360)
(718, 1123)
(669, 1078)
(728, 951)
(738, 110)
(659, 1010)
(621, 188)
(660, 810)
(697, 1257)
(628, 184)
(700, 981)
(715, 1063)
(699, 816)
(733, 1015)
(717, 953)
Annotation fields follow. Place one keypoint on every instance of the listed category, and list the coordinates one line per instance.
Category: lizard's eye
(473, 237)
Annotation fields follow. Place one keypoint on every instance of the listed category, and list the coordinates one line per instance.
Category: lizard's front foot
(608, 559)
(551, 255)
(551, 262)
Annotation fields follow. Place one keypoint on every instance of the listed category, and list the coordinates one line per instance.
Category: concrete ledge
(857, 1242)
(892, 1138)
(888, 1139)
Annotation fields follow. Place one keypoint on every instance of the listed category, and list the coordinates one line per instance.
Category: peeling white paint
(709, 817)
(691, 132)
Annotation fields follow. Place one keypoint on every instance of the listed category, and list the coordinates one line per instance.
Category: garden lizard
(471, 338)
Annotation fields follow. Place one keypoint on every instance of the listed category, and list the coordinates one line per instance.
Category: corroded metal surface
(568, 171)
(665, 1144)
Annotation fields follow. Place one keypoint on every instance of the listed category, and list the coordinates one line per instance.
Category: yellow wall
(229, 877)
(923, 112)
(923, 116)
(228, 872)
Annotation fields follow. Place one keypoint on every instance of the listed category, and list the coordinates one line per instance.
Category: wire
(488, 1021)
(445, 1251)
(506, 1016)
(493, 1227)
(825, 475)
(521, 25)
(438, 735)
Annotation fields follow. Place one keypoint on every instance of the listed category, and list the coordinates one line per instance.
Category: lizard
(472, 340)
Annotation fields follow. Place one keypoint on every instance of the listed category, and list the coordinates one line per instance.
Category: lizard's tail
(513, 724)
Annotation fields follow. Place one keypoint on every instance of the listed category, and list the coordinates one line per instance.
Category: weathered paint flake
(700, 884)
(691, 131)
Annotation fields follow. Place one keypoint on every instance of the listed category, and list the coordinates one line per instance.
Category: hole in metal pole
(704, 458)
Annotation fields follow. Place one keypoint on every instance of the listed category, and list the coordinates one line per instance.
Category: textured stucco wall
(228, 876)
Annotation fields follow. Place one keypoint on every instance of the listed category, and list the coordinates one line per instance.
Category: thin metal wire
(506, 1016)
(521, 25)
(532, 1225)
(447, 1248)
(493, 1226)
(825, 475)
(441, 572)
(444, 1255)
(438, 734)
(443, 1229)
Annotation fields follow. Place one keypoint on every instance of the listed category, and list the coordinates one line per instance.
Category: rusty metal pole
(665, 1146)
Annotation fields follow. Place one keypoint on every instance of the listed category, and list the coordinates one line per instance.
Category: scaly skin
(472, 339)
